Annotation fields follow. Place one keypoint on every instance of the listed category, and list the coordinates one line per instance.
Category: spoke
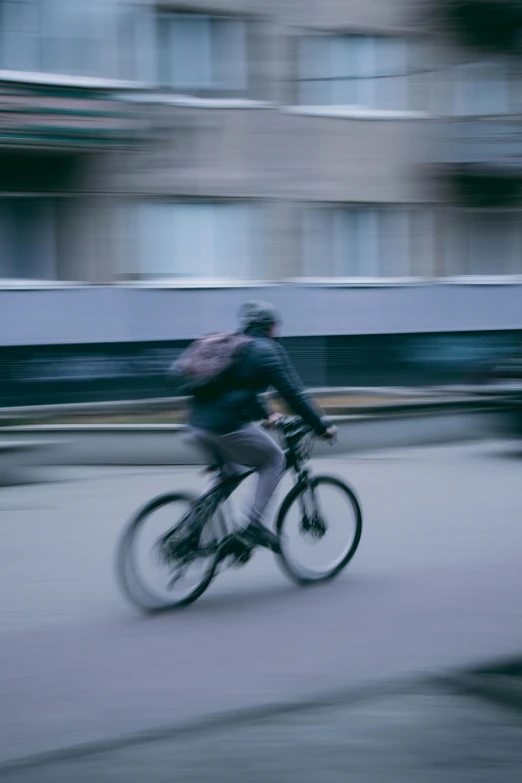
(321, 530)
(163, 569)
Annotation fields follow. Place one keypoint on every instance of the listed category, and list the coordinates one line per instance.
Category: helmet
(258, 315)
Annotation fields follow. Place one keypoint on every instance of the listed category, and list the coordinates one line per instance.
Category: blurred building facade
(363, 155)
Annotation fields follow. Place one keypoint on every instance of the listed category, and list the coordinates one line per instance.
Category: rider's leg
(208, 442)
(253, 447)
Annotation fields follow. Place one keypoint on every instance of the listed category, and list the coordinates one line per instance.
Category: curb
(323, 393)
(166, 444)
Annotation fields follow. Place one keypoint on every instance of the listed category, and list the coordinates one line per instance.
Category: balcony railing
(485, 143)
(487, 24)
(60, 112)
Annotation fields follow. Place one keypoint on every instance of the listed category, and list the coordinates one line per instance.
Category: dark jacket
(264, 364)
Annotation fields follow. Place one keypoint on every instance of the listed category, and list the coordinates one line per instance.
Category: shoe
(259, 535)
(238, 550)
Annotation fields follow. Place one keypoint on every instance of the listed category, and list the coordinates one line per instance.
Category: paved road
(436, 584)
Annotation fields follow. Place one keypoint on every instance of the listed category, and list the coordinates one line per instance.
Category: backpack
(209, 362)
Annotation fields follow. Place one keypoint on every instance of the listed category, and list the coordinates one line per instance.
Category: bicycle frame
(202, 531)
(223, 490)
(229, 483)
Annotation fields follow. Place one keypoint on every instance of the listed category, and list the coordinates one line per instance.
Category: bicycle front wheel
(319, 527)
(148, 580)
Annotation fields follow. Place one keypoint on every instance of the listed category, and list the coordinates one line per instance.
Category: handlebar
(297, 426)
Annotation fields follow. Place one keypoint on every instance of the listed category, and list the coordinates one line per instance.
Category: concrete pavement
(436, 585)
(425, 733)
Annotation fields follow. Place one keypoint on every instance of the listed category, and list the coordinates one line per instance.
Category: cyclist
(225, 423)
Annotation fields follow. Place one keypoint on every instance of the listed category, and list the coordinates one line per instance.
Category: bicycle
(201, 537)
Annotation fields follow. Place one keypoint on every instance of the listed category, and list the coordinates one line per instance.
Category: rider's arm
(287, 383)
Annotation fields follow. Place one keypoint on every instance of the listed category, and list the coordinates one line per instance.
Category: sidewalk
(428, 733)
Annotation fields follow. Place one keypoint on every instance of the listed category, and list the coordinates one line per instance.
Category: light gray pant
(254, 448)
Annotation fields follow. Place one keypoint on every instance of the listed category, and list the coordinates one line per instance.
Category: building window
(74, 38)
(483, 242)
(368, 242)
(355, 70)
(193, 240)
(19, 35)
(27, 239)
(202, 53)
(481, 89)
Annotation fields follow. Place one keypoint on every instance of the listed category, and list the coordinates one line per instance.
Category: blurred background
(358, 163)
(161, 162)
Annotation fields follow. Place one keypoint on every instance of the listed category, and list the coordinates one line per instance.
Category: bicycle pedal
(242, 558)
(237, 553)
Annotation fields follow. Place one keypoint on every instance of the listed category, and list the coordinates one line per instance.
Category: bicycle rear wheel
(320, 527)
(149, 580)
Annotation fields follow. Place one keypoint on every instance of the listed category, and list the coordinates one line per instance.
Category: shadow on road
(265, 597)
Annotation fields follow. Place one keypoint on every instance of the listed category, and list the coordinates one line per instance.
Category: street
(435, 585)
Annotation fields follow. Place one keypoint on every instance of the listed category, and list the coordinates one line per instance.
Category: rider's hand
(273, 419)
(331, 434)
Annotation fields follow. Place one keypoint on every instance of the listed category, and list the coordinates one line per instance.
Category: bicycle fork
(312, 520)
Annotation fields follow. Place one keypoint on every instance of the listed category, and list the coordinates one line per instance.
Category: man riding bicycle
(223, 421)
